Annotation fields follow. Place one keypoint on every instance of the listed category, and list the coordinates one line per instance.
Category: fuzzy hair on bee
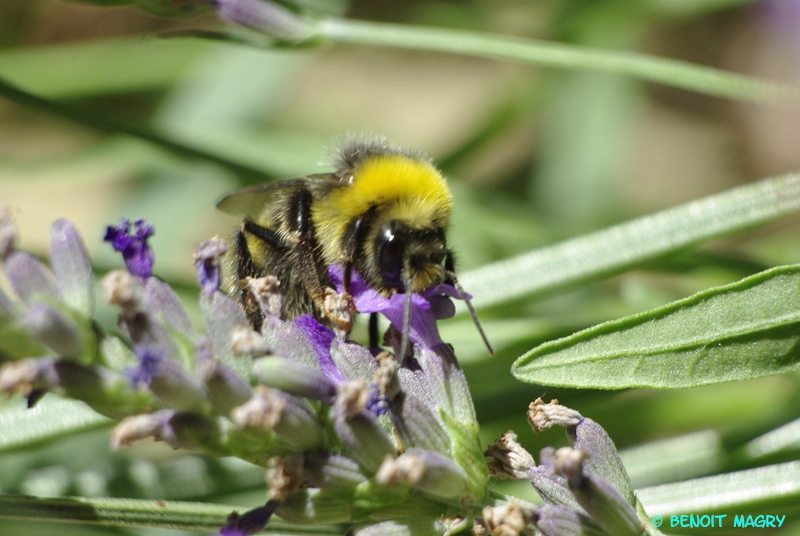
(383, 213)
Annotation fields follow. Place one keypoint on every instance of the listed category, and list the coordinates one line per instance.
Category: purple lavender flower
(136, 253)
(426, 307)
(207, 257)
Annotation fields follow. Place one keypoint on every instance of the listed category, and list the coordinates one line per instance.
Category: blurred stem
(675, 73)
(109, 125)
(201, 517)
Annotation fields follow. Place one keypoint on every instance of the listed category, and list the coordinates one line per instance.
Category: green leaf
(650, 68)
(619, 247)
(739, 331)
(201, 517)
(746, 491)
(51, 417)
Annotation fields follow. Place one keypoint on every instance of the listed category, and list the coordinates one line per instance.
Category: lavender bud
(507, 458)
(72, 267)
(311, 505)
(222, 315)
(418, 526)
(8, 309)
(551, 487)
(55, 329)
(177, 429)
(9, 233)
(559, 520)
(206, 258)
(332, 472)
(426, 470)
(224, 387)
(603, 461)
(166, 379)
(417, 424)
(598, 498)
(30, 278)
(267, 17)
(290, 418)
(294, 378)
(363, 435)
(161, 302)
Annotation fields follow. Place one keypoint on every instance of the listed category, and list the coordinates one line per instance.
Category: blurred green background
(533, 156)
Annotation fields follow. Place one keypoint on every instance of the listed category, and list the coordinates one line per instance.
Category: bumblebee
(383, 212)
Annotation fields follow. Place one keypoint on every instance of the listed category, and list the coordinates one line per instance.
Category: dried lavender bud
(425, 470)
(507, 458)
(9, 233)
(542, 416)
(506, 520)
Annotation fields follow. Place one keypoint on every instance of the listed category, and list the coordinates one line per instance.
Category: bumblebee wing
(251, 201)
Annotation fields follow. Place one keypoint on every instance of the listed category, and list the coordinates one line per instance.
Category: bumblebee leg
(310, 267)
(246, 268)
(267, 235)
(373, 330)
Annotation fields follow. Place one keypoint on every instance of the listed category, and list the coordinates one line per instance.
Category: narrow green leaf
(650, 68)
(619, 247)
(741, 490)
(52, 416)
(202, 517)
(739, 331)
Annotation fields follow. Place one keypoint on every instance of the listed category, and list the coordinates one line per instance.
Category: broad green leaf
(739, 331)
(619, 247)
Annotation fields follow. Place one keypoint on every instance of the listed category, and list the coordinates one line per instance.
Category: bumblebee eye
(392, 249)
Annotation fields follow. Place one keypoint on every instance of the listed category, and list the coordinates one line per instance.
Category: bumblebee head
(408, 258)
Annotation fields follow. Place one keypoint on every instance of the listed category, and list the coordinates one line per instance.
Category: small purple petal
(250, 522)
(426, 307)
(149, 360)
(136, 253)
(207, 257)
(321, 339)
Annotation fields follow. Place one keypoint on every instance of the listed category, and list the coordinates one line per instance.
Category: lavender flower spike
(136, 253)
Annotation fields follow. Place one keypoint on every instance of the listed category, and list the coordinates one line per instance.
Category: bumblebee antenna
(406, 322)
(452, 276)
